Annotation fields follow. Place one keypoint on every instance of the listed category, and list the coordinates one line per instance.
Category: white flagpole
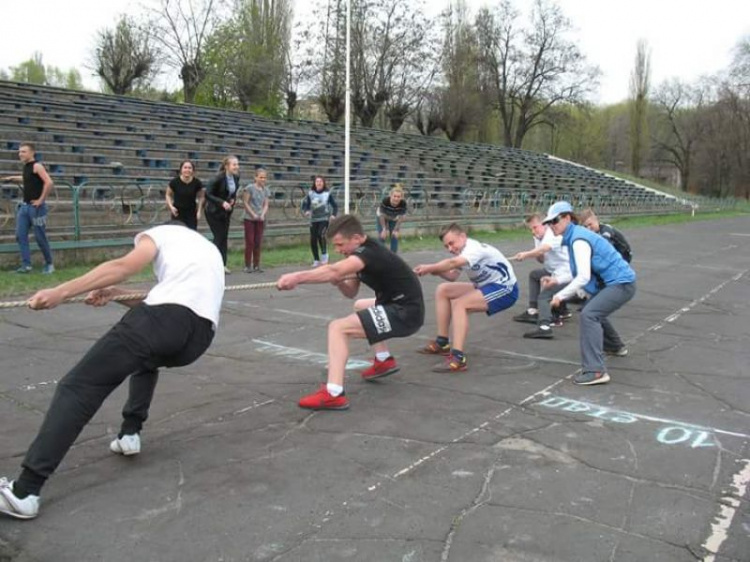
(347, 118)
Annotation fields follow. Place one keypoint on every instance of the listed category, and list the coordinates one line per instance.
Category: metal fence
(113, 210)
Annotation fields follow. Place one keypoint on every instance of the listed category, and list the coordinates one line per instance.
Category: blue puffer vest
(607, 265)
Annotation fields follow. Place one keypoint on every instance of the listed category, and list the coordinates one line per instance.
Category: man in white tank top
(173, 326)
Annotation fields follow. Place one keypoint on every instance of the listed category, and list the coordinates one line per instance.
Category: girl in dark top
(182, 193)
(221, 195)
(321, 207)
(390, 214)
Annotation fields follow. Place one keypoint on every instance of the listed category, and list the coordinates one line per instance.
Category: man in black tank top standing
(32, 213)
(396, 311)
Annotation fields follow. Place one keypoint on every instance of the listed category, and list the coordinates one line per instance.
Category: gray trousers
(545, 304)
(597, 332)
(535, 286)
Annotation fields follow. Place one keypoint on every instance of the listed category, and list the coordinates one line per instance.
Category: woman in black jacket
(221, 195)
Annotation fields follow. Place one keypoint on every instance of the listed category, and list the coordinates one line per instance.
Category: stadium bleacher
(112, 156)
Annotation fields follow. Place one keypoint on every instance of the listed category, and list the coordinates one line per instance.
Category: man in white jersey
(172, 327)
(492, 288)
(544, 282)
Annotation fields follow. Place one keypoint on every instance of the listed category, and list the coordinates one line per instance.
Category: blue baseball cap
(556, 210)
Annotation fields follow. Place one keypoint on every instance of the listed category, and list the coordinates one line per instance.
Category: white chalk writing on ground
(304, 355)
(671, 432)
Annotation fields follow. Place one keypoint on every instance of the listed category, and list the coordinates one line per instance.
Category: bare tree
(532, 69)
(330, 58)
(740, 69)
(388, 37)
(414, 72)
(299, 67)
(182, 27)
(124, 56)
(460, 104)
(681, 125)
(640, 82)
(427, 116)
(261, 41)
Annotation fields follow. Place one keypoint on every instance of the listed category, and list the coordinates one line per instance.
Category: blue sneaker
(48, 269)
(24, 269)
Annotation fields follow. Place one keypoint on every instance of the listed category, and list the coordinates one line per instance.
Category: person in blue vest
(604, 279)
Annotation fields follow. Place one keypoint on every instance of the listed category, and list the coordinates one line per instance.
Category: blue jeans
(29, 217)
(390, 225)
(596, 331)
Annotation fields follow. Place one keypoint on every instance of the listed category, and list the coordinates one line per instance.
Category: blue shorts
(498, 297)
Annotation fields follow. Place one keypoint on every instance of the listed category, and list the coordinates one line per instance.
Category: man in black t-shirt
(588, 219)
(32, 213)
(396, 311)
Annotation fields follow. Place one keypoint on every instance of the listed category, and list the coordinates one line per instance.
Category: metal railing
(113, 210)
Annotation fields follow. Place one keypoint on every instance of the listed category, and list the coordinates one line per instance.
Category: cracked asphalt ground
(506, 462)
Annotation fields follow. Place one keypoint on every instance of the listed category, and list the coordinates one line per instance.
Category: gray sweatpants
(597, 332)
(535, 286)
(544, 301)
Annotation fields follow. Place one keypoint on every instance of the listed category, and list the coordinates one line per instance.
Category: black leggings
(146, 338)
(318, 237)
(220, 229)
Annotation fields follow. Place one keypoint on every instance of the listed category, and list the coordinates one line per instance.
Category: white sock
(382, 355)
(334, 389)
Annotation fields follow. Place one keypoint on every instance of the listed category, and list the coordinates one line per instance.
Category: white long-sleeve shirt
(582, 256)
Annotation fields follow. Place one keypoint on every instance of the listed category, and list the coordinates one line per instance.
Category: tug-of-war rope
(142, 295)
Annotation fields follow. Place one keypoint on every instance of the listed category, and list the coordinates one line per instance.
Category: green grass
(13, 284)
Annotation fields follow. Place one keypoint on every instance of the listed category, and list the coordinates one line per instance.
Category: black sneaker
(622, 352)
(540, 334)
(564, 313)
(526, 317)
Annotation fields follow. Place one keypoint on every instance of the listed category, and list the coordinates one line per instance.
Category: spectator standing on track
(320, 206)
(546, 281)
(602, 276)
(492, 288)
(172, 327)
(255, 200)
(390, 214)
(616, 238)
(396, 311)
(32, 212)
(186, 196)
(221, 196)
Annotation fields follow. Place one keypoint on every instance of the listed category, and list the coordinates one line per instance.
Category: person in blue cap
(604, 279)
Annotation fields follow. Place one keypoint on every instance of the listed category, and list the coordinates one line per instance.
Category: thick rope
(142, 295)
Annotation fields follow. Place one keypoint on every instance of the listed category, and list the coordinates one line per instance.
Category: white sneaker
(127, 445)
(316, 263)
(26, 508)
(324, 259)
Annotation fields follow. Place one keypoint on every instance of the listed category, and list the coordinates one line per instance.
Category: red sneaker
(322, 400)
(380, 369)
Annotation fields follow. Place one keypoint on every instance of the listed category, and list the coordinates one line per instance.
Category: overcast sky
(688, 38)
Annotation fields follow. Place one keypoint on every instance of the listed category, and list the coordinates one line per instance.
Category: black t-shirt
(185, 193)
(388, 275)
(32, 183)
(392, 212)
(617, 239)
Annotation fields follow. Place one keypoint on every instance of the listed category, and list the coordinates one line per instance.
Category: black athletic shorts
(385, 321)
